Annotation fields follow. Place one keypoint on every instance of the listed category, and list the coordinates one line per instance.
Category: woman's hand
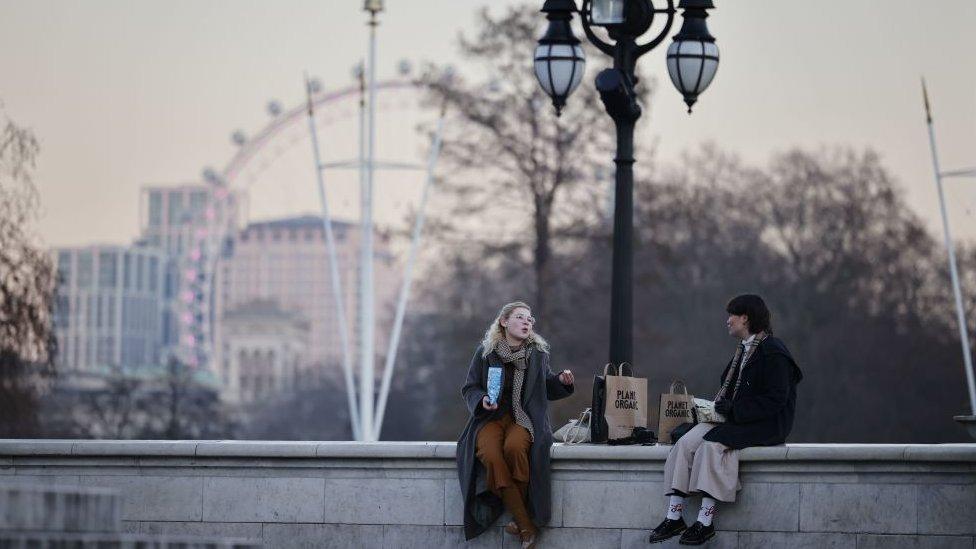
(566, 377)
(487, 405)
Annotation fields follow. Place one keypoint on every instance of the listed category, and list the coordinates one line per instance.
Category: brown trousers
(503, 448)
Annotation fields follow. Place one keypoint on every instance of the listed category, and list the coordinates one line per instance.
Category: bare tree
(518, 170)
(27, 284)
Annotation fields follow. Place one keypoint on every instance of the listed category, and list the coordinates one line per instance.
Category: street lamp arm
(594, 39)
(642, 49)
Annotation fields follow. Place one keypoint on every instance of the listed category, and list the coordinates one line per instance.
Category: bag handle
(678, 383)
(630, 369)
(576, 430)
(609, 366)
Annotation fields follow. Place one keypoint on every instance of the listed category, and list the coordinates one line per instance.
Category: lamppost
(692, 60)
(968, 421)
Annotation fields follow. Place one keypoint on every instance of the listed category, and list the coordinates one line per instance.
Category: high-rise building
(286, 262)
(194, 224)
(109, 307)
(172, 218)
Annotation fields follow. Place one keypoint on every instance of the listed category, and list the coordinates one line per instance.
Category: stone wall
(336, 494)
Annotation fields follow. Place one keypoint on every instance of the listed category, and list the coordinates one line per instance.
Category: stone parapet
(385, 494)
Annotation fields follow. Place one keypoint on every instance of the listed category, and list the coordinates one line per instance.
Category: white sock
(707, 511)
(675, 505)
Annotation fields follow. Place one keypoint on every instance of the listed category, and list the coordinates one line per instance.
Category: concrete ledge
(426, 450)
(406, 493)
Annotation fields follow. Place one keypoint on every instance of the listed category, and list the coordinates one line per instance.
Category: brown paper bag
(626, 399)
(675, 410)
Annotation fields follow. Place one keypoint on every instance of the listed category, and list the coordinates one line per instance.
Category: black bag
(680, 431)
(599, 431)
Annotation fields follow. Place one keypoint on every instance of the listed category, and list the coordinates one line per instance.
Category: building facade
(265, 356)
(109, 306)
(286, 262)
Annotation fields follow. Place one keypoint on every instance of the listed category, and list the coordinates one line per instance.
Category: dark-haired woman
(503, 452)
(757, 396)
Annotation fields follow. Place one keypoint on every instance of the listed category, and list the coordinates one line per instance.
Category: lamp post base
(969, 422)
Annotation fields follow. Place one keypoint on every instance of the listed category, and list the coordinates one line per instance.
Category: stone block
(384, 501)
(769, 507)
(796, 540)
(322, 536)
(386, 450)
(243, 499)
(256, 449)
(35, 447)
(61, 480)
(867, 541)
(152, 497)
(569, 538)
(637, 539)
(940, 452)
(437, 537)
(453, 504)
(134, 448)
(845, 452)
(252, 531)
(609, 504)
(869, 508)
(947, 509)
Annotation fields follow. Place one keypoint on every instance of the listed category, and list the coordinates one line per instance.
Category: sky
(125, 94)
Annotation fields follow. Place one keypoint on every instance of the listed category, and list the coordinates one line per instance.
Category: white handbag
(576, 431)
(704, 412)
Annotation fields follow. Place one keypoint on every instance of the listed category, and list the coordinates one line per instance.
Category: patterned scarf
(742, 355)
(518, 358)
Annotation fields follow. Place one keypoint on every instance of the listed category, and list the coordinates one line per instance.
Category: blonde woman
(503, 452)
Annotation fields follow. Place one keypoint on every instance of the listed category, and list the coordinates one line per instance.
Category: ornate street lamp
(692, 61)
(559, 59)
(693, 56)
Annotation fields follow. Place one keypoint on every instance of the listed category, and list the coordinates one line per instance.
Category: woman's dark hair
(754, 308)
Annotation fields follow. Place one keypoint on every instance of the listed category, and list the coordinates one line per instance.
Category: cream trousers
(697, 465)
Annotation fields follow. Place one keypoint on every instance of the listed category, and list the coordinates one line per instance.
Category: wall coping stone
(446, 450)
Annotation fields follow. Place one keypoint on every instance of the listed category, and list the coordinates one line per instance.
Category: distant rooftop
(300, 222)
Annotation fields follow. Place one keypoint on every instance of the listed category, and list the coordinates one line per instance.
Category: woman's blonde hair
(496, 332)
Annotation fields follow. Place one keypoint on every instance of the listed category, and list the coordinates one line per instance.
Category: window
(62, 313)
(198, 203)
(64, 267)
(153, 273)
(110, 311)
(155, 209)
(85, 265)
(140, 260)
(127, 270)
(175, 207)
(106, 269)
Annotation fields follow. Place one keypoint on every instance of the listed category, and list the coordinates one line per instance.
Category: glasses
(522, 318)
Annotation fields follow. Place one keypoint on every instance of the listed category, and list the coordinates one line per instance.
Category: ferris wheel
(277, 147)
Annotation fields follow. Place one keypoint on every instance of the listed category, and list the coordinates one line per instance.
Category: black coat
(481, 507)
(763, 408)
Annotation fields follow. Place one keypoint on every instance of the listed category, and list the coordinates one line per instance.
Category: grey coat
(481, 507)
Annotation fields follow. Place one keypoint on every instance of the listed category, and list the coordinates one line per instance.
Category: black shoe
(667, 530)
(697, 534)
